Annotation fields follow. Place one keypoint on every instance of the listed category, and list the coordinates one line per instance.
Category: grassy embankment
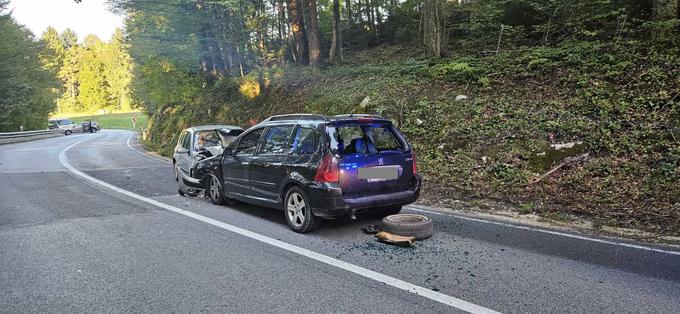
(121, 121)
(619, 104)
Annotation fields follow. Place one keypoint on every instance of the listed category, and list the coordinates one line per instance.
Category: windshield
(206, 139)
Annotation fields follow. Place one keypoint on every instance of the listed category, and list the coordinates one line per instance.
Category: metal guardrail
(14, 137)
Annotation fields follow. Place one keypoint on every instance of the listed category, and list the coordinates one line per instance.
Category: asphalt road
(68, 244)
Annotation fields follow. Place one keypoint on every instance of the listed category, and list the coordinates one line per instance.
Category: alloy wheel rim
(214, 188)
(295, 209)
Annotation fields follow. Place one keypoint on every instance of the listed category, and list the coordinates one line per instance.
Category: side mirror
(228, 151)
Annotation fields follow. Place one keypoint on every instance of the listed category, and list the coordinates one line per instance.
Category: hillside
(615, 110)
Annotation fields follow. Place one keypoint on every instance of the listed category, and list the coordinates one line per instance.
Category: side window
(248, 143)
(180, 141)
(187, 141)
(276, 140)
(304, 141)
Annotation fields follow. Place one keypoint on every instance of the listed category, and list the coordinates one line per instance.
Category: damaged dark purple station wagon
(314, 167)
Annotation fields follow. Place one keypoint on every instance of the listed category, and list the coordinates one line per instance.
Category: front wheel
(298, 211)
(214, 188)
(68, 132)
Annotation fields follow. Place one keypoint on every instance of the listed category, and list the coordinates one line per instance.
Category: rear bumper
(327, 199)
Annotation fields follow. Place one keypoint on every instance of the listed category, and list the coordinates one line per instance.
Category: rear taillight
(328, 170)
(415, 167)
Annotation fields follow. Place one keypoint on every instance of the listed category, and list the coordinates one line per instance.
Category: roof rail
(297, 116)
(357, 115)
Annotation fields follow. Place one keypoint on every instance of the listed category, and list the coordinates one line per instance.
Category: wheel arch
(286, 186)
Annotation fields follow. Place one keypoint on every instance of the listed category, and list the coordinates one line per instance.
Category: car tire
(68, 132)
(213, 189)
(298, 212)
(409, 225)
(386, 211)
(180, 192)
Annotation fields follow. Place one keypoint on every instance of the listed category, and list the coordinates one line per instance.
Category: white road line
(132, 148)
(129, 145)
(23, 149)
(394, 282)
(568, 235)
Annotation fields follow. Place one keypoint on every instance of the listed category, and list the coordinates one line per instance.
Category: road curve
(69, 244)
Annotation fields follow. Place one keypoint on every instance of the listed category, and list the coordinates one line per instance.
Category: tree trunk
(298, 29)
(313, 34)
(369, 13)
(358, 12)
(348, 6)
(378, 21)
(433, 32)
(335, 55)
(281, 17)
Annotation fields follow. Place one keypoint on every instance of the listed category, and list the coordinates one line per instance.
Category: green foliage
(26, 96)
(122, 121)
(601, 74)
(96, 76)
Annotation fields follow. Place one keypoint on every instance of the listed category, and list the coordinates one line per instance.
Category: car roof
(315, 119)
(214, 127)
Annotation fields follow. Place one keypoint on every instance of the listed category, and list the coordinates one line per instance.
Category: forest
(26, 88)
(94, 75)
(564, 109)
(55, 74)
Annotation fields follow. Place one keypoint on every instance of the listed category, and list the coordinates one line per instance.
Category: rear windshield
(364, 138)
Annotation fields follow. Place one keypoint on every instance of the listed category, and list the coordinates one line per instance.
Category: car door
(184, 155)
(267, 170)
(179, 149)
(236, 165)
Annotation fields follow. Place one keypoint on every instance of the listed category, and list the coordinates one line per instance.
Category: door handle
(245, 163)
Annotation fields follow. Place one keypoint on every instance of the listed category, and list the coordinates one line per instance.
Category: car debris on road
(390, 238)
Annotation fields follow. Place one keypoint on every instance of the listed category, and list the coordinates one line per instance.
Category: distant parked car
(196, 144)
(64, 124)
(313, 167)
(90, 126)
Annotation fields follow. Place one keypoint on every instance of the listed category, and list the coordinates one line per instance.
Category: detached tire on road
(409, 225)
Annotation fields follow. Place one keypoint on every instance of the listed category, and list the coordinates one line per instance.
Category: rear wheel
(214, 191)
(298, 211)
